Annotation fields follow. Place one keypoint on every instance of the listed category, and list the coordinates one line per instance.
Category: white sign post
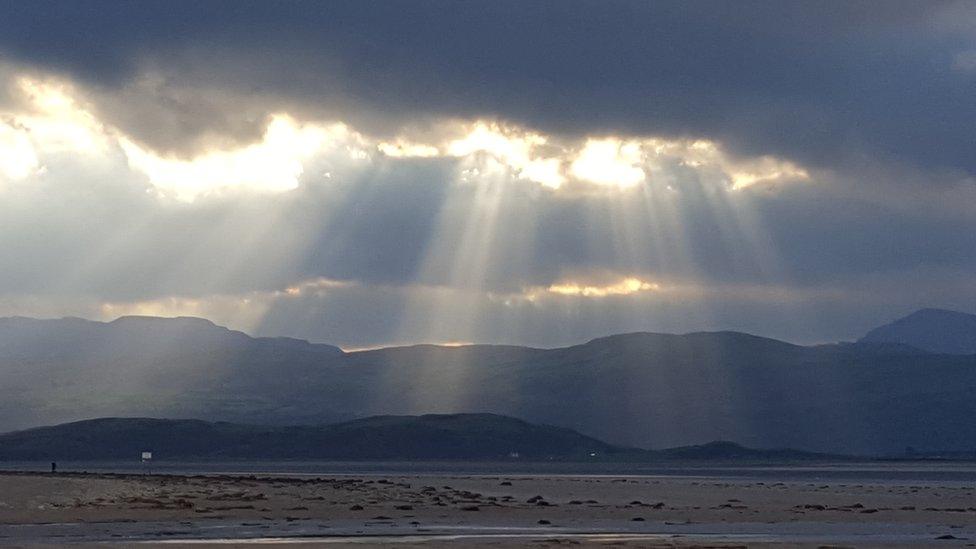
(146, 459)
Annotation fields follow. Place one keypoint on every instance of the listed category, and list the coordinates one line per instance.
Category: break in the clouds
(538, 173)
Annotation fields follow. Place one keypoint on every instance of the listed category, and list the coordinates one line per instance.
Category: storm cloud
(789, 78)
(527, 172)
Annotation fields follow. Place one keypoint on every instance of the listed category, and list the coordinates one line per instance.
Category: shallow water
(281, 532)
(950, 473)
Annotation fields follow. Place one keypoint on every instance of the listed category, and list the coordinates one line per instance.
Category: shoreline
(42, 508)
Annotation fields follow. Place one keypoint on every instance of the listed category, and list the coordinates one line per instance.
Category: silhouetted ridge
(155, 321)
(933, 330)
(725, 450)
(455, 436)
(427, 437)
(727, 337)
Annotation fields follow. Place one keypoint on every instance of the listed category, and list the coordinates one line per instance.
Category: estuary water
(868, 471)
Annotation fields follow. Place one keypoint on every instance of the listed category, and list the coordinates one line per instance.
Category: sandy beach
(38, 509)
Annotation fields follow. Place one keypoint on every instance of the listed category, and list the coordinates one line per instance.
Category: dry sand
(38, 510)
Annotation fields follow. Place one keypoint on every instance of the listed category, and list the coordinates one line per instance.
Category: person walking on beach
(54, 467)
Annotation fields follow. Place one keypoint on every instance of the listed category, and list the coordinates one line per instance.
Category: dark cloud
(823, 86)
(874, 99)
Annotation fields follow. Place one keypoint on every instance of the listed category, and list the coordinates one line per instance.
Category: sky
(535, 173)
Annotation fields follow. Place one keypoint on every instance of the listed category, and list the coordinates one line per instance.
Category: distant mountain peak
(932, 330)
(931, 312)
(189, 321)
(715, 337)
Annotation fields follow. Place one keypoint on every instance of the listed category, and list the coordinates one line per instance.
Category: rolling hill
(486, 437)
(428, 437)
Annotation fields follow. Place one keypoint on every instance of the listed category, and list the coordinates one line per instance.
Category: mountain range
(875, 396)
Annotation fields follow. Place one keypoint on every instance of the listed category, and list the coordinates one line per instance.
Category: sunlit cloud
(765, 170)
(49, 121)
(18, 159)
(49, 118)
(604, 287)
(626, 286)
(318, 287)
(274, 164)
(709, 156)
(609, 162)
(406, 149)
(55, 119)
(510, 147)
(491, 139)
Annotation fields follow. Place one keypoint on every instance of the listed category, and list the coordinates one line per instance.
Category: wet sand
(38, 510)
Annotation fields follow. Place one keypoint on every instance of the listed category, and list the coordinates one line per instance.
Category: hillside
(486, 437)
(637, 390)
(933, 330)
(729, 451)
(429, 437)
